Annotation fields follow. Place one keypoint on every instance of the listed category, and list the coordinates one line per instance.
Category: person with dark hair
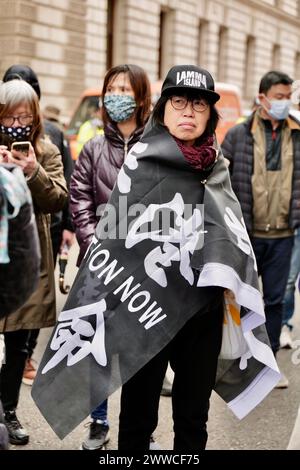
(20, 120)
(62, 232)
(126, 100)
(265, 173)
(271, 79)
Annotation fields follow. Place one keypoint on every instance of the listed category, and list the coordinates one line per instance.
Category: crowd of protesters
(264, 168)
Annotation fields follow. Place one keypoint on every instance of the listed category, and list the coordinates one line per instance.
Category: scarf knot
(200, 157)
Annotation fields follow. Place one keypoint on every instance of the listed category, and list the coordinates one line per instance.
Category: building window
(110, 31)
(202, 43)
(165, 53)
(276, 57)
(116, 31)
(222, 54)
(249, 67)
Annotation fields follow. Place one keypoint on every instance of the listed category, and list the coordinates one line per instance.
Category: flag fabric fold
(169, 241)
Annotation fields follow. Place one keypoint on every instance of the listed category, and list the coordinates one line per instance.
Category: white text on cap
(191, 78)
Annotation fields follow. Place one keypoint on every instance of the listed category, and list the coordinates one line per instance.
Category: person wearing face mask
(126, 99)
(265, 173)
(20, 120)
(126, 107)
(61, 230)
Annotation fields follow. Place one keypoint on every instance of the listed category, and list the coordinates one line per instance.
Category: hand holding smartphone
(23, 155)
(22, 147)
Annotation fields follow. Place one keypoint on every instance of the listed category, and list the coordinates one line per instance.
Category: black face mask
(17, 133)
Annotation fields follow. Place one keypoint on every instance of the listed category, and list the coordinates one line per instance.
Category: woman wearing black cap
(186, 111)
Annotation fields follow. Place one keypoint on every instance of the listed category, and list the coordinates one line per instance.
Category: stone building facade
(70, 43)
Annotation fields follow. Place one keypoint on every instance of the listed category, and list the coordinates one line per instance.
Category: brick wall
(64, 41)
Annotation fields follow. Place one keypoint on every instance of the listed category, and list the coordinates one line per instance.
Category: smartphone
(21, 147)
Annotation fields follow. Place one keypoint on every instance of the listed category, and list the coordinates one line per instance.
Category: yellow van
(229, 107)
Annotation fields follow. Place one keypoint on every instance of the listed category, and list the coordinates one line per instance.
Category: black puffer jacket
(61, 220)
(93, 179)
(237, 147)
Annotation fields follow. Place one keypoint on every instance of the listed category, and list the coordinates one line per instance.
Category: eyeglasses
(24, 120)
(180, 102)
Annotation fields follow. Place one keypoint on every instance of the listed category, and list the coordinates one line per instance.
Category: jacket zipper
(125, 147)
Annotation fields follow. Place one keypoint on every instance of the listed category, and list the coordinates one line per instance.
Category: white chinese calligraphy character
(186, 235)
(238, 228)
(123, 180)
(71, 328)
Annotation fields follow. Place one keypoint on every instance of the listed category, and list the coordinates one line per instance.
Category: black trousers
(193, 355)
(11, 374)
(32, 341)
(273, 262)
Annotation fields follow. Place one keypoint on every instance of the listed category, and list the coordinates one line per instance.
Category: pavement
(269, 426)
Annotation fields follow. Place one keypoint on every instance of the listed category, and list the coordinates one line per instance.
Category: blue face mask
(119, 107)
(17, 133)
(279, 109)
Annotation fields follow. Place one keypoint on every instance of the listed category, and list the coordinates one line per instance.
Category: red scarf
(200, 157)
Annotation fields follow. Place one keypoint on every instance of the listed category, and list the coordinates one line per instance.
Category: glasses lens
(7, 121)
(199, 105)
(178, 102)
(25, 119)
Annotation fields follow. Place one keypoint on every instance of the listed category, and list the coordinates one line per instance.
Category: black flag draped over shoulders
(166, 245)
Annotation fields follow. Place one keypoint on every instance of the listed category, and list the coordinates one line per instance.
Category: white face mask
(279, 109)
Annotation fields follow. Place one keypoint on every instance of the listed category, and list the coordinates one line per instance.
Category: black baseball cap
(190, 77)
(23, 72)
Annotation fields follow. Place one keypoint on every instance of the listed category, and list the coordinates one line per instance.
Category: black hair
(273, 78)
(141, 89)
(23, 72)
(159, 110)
